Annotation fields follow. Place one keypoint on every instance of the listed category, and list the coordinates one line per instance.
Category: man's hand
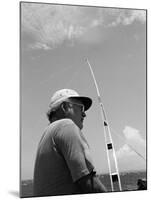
(91, 184)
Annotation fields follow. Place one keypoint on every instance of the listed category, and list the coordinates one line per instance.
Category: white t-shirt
(63, 157)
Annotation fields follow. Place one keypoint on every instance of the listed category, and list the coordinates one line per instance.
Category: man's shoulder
(66, 133)
(65, 127)
(60, 125)
(64, 122)
(62, 128)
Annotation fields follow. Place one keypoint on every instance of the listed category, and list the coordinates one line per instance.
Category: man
(63, 163)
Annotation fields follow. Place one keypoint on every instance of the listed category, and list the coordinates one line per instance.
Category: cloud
(45, 26)
(126, 155)
(51, 25)
(125, 151)
(133, 136)
(114, 17)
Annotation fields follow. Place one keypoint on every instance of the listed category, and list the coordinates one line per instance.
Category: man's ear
(64, 107)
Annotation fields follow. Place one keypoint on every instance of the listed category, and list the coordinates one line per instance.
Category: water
(128, 182)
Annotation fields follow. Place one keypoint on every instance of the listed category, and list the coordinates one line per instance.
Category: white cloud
(50, 25)
(39, 45)
(114, 16)
(133, 15)
(126, 155)
(134, 137)
(125, 151)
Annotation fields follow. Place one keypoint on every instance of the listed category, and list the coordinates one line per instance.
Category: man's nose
(83, 114)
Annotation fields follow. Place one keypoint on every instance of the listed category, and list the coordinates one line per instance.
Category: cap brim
(86, 101)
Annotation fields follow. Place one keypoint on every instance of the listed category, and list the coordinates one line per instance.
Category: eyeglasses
(81, 106)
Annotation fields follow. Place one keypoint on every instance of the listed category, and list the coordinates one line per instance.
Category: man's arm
(91, 184)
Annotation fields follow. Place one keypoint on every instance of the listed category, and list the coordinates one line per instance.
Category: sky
(55, 40)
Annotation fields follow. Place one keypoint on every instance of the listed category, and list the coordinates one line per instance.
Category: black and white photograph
(83, 94)
(75, 99)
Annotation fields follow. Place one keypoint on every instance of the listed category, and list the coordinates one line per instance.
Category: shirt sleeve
(71, 147)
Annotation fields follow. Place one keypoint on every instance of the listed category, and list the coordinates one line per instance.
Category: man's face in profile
(76, 112)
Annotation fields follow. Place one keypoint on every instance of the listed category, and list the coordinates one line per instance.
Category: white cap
(64, 94)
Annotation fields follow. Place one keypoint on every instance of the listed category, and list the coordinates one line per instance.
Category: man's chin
(81, 126)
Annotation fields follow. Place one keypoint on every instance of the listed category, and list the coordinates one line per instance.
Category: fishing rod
(110, 150)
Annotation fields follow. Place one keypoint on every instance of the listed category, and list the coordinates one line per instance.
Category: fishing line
(131, 147)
